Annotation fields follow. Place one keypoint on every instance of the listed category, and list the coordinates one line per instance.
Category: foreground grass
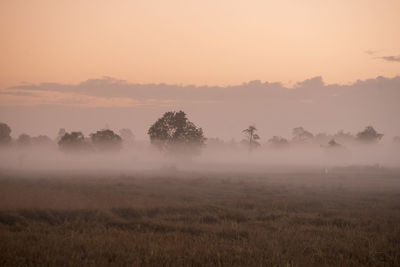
(199, 219)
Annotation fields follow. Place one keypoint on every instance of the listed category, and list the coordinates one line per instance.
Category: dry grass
(200, 219)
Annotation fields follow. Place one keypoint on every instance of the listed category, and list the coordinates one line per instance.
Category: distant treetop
(369, 135)
(74, 141)
(301, 135)
(106, 140)
(5, 131)
(174, 133)
(251, 137)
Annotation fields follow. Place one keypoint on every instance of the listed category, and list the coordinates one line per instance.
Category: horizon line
(115, 80)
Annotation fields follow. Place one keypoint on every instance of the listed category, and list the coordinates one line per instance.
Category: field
(183, 218)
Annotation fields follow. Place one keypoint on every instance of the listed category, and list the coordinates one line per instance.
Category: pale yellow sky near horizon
(197, 42)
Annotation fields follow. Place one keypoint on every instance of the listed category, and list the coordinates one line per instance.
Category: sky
(80, 65)
(224, 42)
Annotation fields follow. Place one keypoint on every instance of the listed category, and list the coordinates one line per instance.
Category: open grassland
(303, 218)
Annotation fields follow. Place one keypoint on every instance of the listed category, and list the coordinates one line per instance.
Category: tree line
(300, 136)
(174, 133)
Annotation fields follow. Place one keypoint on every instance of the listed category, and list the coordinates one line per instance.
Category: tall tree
(174, 133)
(251, 137)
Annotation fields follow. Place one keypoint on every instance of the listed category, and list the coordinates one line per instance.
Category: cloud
(28, 97)
(110, 92)
(371, 52)
(108, 87)
(391, 58)
(223, 110)
(386, 58)
(311, 83)
(18, 93)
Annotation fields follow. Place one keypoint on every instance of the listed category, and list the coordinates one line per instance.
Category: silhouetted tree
(369, 135)
(60, 134)
(301, 135)
(278, 142)
(106, 140)
(24, 140)
(5, 131)
(251, 137)
(74, 141)
(174, 133)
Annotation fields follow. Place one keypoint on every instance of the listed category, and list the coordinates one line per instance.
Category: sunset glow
(198, 42)
(199, 133)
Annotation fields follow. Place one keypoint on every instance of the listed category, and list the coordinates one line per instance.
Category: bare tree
(251, 137)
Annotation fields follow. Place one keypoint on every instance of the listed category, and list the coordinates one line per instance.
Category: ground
(157, 218)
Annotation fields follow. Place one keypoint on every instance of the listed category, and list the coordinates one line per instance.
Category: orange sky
(197, 42)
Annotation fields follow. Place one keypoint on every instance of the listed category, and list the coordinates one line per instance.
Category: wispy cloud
(18, 93)
(61, 98)
(391, 58)
(375, 54)
(371, 52)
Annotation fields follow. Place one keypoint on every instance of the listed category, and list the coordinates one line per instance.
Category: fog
(324, 110)
(226, 157)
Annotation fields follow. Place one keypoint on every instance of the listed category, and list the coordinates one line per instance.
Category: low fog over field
(118, 150)
(294, 125)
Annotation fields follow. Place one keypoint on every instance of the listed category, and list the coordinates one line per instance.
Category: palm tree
(251, 136)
